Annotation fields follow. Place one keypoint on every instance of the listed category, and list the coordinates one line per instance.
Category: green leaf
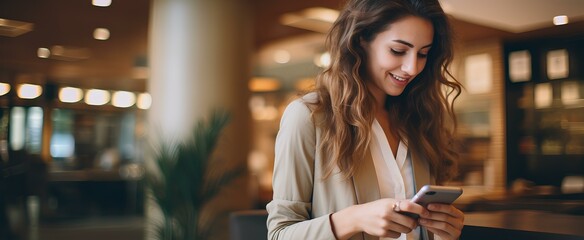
(180, 183)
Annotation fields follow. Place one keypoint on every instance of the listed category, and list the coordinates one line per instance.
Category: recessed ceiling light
(561, 20)
(101, 34)
(97, 97)
(70, 95)
(29, 91)
(4, 88)
(144, 101)
(101, 3)
(123, 99)
(43, 53)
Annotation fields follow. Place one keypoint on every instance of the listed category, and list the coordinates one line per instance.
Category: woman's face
(397, 55)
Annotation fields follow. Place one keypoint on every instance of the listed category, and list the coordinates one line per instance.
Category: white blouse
(394, 173)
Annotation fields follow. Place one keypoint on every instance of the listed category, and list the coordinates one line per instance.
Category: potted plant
(184, 180)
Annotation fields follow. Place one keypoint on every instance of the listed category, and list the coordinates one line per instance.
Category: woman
(376, 128)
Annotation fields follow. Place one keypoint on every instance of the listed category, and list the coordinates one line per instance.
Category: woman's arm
(290, 210)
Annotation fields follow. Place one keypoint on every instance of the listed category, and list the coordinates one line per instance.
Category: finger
(444, 226)
(403, 220)
(411, 207)
(446, 208)
(443, 217)
(397, 227)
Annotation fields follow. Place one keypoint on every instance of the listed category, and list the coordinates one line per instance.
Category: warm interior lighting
(29, 91)
(43, 53)
(282, 56)
(97, 97)
(262, 110)
(305, 84)
(70, 95)
(323, 60)
(123, 99)
(560, 20)
(263, 84)
(316, 19)
(144, 101)
(13, 28)
(102, 3)
(4, 88)
(69, 53)
(101, 34)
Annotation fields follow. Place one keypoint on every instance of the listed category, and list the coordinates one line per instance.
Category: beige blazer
(303, 200)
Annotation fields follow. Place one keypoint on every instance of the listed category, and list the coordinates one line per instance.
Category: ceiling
(514, 16)
(70, 23)
(112, 64)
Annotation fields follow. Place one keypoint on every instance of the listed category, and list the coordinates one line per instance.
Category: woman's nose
(410, 65)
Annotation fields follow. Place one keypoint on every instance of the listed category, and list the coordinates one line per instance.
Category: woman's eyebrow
(409, 44)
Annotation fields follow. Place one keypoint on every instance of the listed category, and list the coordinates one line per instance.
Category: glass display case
(545, 111)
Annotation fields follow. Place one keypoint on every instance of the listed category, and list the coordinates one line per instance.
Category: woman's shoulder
(300, 109)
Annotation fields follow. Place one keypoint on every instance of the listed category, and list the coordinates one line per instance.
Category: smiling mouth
(401, 79)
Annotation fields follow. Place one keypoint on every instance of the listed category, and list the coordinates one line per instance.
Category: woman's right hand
(377, 218)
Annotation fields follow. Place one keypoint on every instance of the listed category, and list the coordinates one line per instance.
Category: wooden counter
(522, 224)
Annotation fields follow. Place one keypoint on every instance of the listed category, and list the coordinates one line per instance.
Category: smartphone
(435, 194)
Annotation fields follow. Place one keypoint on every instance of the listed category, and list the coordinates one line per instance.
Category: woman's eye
(422, 55)
(397, 52)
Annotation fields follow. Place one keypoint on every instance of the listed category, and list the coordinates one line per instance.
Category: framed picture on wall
(557, 64)
(520, 66)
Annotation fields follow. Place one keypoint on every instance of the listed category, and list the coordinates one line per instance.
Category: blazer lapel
(421, 172)
(422, 177)
(365, 181)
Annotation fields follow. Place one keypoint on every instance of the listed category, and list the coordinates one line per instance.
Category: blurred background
(86, 85)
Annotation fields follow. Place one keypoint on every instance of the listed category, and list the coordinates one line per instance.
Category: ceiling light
(101, 3)
(43, 53)
(70, 95)
(316, 19)
(29, 91)
(4, 88)
(282, 56)
(323, 60)
(97, 97)
(123, 99)
(144, 101)
(69, 53)
(13, 28)
(305, 84)
(263, 84)
(561, 20)
(101, 34)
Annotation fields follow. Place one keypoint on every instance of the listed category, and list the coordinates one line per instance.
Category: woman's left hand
(444, 220)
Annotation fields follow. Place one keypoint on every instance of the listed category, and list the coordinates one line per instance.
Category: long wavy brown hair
(422, 115)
